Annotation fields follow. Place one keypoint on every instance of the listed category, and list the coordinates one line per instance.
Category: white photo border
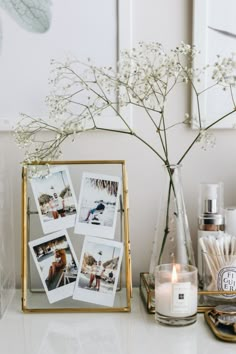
(60, 223)
(97, 297)
(97, 230)
(66, 290)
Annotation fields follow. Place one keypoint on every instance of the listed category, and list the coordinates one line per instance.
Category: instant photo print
(55, 199)
(99, 271)
(56, 263)
(98, 205)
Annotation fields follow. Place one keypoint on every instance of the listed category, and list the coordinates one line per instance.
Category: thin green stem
(136, 136)
(166, 229)
(200, 132)
(232, 96)
(196, 93)
(207, 88)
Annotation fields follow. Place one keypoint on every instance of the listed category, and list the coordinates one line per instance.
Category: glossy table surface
(104, 333)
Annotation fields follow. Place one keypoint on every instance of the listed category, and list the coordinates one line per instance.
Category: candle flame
(174, 275)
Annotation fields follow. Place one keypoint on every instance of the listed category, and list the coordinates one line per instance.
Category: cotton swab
(218, 252)
(205, 255)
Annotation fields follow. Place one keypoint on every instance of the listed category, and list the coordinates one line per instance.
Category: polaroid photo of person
(99, 271)
(98, 205)
(56, 263)
(55, 199)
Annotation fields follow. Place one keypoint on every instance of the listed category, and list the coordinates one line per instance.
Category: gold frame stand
(127, 287)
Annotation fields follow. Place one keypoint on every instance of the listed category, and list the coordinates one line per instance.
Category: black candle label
(180, 297)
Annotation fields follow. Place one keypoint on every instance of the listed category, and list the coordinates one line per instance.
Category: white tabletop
(104, 333)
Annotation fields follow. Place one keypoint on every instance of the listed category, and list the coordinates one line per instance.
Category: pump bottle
(211, 218)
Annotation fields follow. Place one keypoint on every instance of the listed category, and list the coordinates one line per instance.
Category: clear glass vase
(172, 242)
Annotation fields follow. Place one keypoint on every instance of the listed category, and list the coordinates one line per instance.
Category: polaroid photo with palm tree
(55, 199)
(98, 205)
(57, 265)
(99, 271)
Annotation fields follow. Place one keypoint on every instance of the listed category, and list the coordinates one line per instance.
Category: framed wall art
(75, 237)
(34, 33)
(214, 34)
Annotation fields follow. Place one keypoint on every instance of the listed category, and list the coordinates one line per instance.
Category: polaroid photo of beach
(98, 205)
(55, 199)
(56, 263)
(99, 271)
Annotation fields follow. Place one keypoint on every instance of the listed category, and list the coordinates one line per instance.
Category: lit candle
(176, 293)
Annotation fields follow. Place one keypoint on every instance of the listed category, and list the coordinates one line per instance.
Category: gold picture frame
(34, 299)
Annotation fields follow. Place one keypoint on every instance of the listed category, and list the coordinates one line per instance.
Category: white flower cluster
(144, 77)
(207, 139)
(147, 74)
(58, 106)
(225, 71)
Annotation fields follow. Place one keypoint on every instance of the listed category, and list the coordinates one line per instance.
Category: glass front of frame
(75, 237)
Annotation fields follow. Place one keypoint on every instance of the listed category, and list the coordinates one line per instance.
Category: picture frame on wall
(214, 35)
(35, 34)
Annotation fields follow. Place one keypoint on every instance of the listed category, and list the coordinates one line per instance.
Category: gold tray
(147, 292)
(222, 332)
(205, 299)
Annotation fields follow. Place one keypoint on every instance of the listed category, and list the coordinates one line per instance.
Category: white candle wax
(176, 299)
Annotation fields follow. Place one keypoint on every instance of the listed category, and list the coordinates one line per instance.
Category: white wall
(168, 22)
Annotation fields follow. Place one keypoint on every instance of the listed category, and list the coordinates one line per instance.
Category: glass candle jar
(176, 294)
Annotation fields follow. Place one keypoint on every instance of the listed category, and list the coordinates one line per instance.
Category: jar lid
(225, 309)
(226, 315)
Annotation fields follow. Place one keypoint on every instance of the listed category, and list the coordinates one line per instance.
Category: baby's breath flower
(145, 76)
(207, 139)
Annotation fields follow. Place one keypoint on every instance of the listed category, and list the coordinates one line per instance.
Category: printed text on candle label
(180, 297)
(227, 280)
